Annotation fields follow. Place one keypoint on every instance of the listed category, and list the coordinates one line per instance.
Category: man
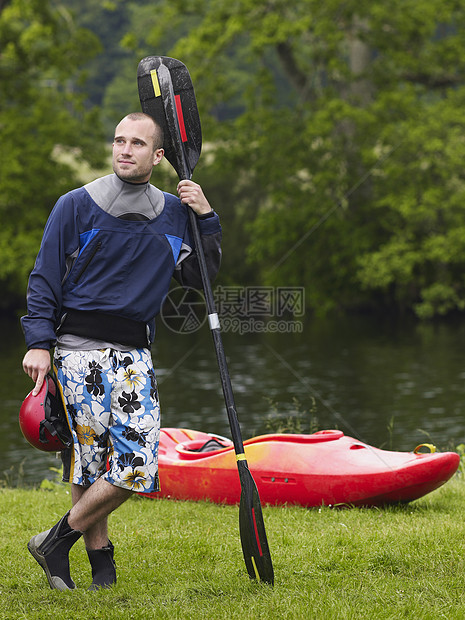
(107, 256)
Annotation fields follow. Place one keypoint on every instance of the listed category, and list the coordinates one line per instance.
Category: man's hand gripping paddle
(166, 93)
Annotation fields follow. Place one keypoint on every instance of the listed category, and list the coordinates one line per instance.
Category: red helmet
(42, 419)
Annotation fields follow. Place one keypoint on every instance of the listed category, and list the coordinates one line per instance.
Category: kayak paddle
(167, 94)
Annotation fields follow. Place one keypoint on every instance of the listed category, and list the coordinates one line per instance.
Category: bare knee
(95, 503)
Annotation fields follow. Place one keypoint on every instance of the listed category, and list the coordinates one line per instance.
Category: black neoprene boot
(103, 567)
(51, 550)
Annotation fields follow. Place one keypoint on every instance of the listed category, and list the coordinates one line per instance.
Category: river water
(392, 384)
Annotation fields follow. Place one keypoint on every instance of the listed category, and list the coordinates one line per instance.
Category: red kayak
(325, 468)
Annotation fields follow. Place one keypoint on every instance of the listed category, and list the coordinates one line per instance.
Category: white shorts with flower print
(112, 406)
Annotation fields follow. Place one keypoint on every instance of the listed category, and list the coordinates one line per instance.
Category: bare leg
(91, 508)
(87, 505)
(96, 536)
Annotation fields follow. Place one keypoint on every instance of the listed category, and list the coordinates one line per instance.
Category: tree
(341, 122)
(123, 29)
(41, 116)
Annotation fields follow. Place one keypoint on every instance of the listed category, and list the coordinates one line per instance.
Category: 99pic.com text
(241, 310)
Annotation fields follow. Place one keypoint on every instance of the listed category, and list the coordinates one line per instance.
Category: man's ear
(158, 156)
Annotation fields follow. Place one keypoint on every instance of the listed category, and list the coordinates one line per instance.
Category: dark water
(392, 385)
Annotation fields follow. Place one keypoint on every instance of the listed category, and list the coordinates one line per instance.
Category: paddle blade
(153, 84)
(252, 529)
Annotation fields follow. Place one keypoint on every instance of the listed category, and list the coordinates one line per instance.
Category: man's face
(133, 154)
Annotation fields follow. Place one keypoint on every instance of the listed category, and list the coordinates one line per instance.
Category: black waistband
(107, 327)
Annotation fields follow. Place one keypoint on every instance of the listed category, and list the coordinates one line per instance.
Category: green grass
(183, 560)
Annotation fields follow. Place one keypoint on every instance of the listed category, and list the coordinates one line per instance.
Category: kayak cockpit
(200, 448)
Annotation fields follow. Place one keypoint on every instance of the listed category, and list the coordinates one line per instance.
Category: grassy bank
(183, 560)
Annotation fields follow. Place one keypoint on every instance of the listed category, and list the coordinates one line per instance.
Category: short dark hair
(158, 134)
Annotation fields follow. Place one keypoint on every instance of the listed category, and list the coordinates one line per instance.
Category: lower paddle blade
(252, 529)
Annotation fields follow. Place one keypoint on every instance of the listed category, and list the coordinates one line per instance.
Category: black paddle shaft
(253, 536)
(216, 334)
(184, 152)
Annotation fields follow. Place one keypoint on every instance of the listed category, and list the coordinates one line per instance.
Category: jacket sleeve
(187, 271)
(44, 292)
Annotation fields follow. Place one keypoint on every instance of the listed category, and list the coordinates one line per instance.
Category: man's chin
(132, 176)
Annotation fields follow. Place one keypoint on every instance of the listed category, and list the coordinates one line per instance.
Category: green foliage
(298, 420)
(420, 207)
(40, 52)
(460, 449)
(110, 75)
(343, 124)
(333, 134)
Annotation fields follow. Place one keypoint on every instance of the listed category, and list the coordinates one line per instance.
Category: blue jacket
(90, 260)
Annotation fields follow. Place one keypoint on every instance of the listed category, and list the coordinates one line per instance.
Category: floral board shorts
(112, 406)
